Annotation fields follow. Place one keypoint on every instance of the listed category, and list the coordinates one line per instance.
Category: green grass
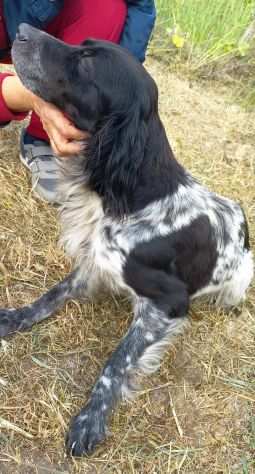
(211, 29)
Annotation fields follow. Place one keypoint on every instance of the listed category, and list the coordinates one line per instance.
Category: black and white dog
(132, 217)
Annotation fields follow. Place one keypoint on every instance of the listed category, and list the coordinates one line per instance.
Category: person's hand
(65, 138)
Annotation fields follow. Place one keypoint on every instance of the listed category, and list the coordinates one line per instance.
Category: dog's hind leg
(140, 351)
(19, 319)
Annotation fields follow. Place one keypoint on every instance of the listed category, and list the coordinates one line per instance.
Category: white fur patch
(233, 292)
(106, 381)
(151, 358)
(149, 337)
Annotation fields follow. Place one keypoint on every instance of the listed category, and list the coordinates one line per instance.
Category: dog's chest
(81, 218)
(91, 239)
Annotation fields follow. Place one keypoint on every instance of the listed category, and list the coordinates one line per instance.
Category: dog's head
(106, 91)
(91, 82)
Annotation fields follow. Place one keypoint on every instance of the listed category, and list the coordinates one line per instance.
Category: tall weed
(202, 31)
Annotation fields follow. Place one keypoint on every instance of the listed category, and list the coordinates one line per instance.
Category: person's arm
(17, 98)
(139, 24)
(16, 101)
(6, 114)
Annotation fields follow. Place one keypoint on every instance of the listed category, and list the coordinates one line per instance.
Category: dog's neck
(129, 169)
(161, 173)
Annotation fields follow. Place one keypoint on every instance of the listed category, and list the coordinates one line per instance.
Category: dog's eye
(88, 52)
(85, 64)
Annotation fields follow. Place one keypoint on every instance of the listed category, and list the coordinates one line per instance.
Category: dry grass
(197, 414)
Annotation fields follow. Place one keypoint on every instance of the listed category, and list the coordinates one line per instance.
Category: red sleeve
(6, 115)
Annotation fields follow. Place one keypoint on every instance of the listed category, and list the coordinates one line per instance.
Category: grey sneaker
(39, 158)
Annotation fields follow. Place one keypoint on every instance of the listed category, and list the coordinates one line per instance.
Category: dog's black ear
(115, 166)
(87, 42)
(90, 45)
(124, 163)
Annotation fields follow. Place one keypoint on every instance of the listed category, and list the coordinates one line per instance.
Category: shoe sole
(23, 161)
(39, 196)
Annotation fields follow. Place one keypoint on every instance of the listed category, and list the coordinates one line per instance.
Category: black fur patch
(189, 254)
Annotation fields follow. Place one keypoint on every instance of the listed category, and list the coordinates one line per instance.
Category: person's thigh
(82, 19)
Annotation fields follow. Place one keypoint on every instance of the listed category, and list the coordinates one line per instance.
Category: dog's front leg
(140, 350)
(12, 320)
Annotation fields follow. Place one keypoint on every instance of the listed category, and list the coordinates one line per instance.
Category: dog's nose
(23, 32)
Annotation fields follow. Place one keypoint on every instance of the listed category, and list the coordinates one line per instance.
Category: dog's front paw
(87, 430)
(8, 321)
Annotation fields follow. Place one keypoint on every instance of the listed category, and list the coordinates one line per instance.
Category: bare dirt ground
(196, 415)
